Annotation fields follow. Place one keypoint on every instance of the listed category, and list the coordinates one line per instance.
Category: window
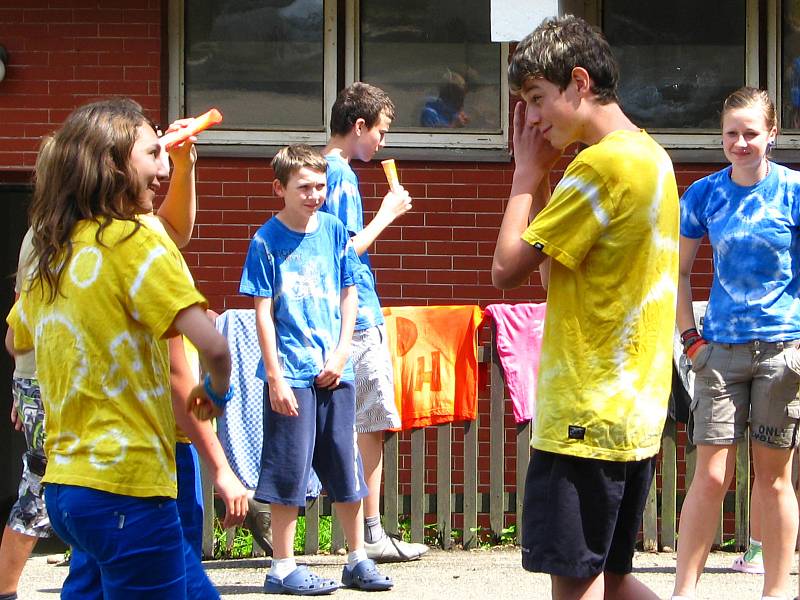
(789, 78)
(282, 89)
(436, 61)
(679, 61)
(273, 67)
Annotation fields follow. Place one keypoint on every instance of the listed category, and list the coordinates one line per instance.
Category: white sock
(355, 557)
(755, 542)
(373, 530)
(281, 567)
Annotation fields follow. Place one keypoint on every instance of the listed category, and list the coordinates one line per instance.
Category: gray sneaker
(259, 522)
(392, 549)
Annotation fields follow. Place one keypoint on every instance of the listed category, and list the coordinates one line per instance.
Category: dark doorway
(14, 200)
(13, 224)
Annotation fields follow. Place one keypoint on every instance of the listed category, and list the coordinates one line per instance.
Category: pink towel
(519, 330)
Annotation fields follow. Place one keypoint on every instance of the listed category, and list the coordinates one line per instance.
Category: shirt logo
(576, 432)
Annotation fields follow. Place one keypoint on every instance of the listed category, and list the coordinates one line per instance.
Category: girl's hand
(201, 405)
(183, 155)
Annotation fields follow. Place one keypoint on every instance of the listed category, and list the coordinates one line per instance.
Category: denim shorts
(736, 384)
(123, 547)
(190, 496)
(322, 436)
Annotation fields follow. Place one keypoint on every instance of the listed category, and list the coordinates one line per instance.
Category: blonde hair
(750, 97)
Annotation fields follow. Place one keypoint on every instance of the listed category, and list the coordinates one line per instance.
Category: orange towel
(435, 362)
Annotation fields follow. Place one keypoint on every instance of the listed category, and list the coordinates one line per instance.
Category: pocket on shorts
(792, 358)
(793, 410)
(700, 359)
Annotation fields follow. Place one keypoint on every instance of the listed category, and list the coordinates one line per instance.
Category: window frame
(249, 142)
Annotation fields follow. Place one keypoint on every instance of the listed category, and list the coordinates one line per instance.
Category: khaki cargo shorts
(756, 382)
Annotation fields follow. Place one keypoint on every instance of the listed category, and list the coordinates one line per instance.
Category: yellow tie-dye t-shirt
(192, 358)
(611, 228)
(102, 360)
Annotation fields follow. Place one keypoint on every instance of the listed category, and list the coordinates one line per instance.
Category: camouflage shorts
(28, 515)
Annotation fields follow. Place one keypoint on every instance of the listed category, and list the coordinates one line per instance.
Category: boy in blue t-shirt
(360, 119)
(299, 270)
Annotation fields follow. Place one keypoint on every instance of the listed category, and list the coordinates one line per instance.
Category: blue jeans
(190, 498)
(123, 547)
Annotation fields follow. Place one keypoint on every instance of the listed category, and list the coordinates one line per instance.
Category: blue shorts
(322, 436)
(114, 556)
(581, 516)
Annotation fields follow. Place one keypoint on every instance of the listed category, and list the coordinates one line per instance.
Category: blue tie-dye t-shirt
(344, 201)
(754, 236)
(304, 274)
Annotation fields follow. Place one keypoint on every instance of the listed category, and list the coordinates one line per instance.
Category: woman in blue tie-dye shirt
(746, 359)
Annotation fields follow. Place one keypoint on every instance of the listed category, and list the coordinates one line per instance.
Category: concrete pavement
(456, 575)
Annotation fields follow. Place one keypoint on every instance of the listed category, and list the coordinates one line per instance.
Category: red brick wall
(66, 53)
(63, 53)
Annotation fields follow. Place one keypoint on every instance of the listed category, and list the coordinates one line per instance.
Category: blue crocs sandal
(365, 576)
(300, 582)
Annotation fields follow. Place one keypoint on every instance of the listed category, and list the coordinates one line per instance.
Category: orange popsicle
(198, 124)
(391, 173)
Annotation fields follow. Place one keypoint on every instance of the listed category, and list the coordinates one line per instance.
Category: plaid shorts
(29, 515)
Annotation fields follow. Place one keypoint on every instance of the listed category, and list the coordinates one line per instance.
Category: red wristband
(692, 350)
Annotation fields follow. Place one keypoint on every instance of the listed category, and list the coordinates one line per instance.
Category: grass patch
(324, 535)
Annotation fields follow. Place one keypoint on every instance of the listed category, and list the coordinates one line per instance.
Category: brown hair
(556, 47)
(359, 101)
(750, 97)
(291, 159)
(83, 172)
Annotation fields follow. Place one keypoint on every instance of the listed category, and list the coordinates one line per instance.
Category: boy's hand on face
(531, 150)
(395, 203)
(201, 405)
(281, 398)
(331, 373)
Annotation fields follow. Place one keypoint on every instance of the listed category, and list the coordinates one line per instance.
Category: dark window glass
(435, 60)
(790, 65)
(259, 61)
(678, 60)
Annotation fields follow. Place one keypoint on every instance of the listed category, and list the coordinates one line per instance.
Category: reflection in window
(259, 61)
(790, 63)
(678, 60)
(436, 62)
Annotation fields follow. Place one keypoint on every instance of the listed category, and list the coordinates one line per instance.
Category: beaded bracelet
(220, 401)
(689, 333)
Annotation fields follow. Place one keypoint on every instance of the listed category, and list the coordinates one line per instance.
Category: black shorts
(581, 516)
